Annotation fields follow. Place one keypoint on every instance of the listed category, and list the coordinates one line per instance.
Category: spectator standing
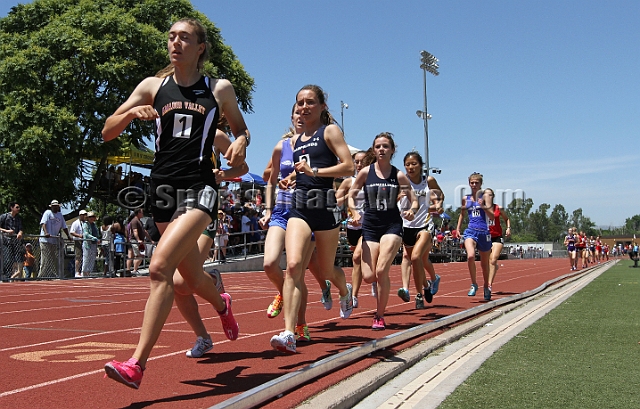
(11, 227)
(154, 236)
(91, 236)
(119, 247)
(246, 228)
(222, 238)
(77, 232)
(111, 175)
(136, 235)
(51, 223)
(105, 243)
(255, 232)
(455, 237)
(29, 261)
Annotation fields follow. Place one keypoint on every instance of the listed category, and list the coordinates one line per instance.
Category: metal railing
(55, 257)
(58, 258)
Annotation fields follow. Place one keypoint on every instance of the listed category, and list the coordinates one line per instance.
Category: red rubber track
(56, 336)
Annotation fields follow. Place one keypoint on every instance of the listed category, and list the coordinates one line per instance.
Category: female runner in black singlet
(382, 222)
(186, 106)
(316, 153)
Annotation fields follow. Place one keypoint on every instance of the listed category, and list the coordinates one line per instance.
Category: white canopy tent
(353, 149)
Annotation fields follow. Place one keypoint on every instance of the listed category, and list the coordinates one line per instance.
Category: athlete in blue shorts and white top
(477, 235)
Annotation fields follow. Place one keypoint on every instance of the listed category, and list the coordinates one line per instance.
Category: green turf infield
(583, 354)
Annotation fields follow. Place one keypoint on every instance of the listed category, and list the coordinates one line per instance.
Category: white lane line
(98, 371)
(18, 326)
(48, 383)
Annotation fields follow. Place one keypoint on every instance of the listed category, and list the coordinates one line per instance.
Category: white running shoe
(346, 303)
(284, 342)
(326, 296)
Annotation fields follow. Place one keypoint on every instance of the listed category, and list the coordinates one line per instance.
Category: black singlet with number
(182, 176)
(185, 130)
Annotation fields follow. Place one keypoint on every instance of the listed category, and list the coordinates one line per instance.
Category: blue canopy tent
(248, 178)
(247, 183)
(252, 178)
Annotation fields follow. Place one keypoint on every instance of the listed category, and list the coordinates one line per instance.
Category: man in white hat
(76, 232)
(51, 246)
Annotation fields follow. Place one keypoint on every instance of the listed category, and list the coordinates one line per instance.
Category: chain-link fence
(38, 257)
(31, 257)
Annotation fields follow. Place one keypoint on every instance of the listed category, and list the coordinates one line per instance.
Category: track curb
(484, 313)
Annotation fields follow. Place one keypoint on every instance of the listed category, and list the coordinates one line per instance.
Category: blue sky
(541, 96)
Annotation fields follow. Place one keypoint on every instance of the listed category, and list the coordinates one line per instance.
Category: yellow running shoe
(275, 307)
(302, 333)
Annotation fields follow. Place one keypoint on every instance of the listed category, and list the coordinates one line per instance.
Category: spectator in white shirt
(76, 233)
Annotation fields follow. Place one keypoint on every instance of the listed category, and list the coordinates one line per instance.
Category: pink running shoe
(378, 323)
(128, 373)
(229, 323)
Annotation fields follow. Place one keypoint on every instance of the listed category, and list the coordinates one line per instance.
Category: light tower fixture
(343, 106)
(428, 63)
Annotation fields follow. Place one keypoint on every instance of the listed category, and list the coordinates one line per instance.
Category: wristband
(315, 172)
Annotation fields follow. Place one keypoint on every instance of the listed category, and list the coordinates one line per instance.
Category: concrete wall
(252, 263)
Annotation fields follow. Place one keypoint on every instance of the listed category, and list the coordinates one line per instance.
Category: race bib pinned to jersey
(182, 126)
(208, 198)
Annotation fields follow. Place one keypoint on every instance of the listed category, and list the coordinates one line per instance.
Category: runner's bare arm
(139, 105)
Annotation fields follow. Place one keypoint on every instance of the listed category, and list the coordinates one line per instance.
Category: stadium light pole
(343, 106)
(428, 63)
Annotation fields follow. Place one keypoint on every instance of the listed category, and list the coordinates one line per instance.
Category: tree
(558, 223)
(454, 214)
(583, 223)
(519, 215)
(632, 224)
(539, 222)
(65, 65)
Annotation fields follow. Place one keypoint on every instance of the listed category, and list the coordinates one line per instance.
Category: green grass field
(583, 354)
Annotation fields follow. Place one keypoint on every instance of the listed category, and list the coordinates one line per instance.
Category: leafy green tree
(454, 214)
(65, 66)
(558, 223)
(576, 218)
(538, 223)
(582, 223)
(632, 224)
(519, 215)
(102, 208)
(523, 237)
